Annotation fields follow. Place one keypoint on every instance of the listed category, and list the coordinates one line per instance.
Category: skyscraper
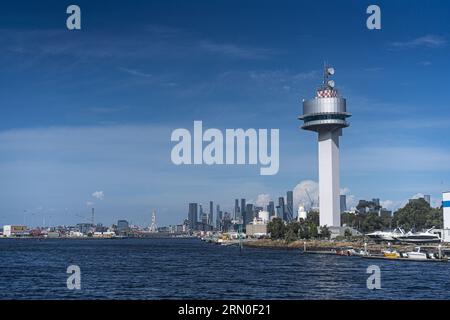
(193, 216)
(236, 209)
(271, 208)
(343, 203)
(282, 208)
(376, 201)
(248, 213)
(289, 206)
(218, 218)
(326, 114)
(204, 219)
(279, 213)
(243, 211)
(211, 214)
(427, 198)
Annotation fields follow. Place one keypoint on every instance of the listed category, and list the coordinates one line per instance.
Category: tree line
(416, 215)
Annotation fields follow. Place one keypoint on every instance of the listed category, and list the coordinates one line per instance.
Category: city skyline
(92, 111)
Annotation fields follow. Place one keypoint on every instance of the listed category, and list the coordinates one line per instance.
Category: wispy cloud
(428, 41)
(98, 194)
(397, 204)
(234, 50)
(262, 200)
(135, 72)
(155, 42)
(425, 63)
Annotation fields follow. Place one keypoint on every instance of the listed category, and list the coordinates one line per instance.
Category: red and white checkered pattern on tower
(326, 93)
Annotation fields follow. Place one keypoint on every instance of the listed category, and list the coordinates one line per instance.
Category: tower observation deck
(326, 114)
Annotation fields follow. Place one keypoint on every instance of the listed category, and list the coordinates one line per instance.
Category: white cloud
(350, 198)
(233, 50)
(135, 72)
(429, 41)
(306, 193)
(98, 194)
(262, 200)
(89, 204)
(425, 63)
(397, 204)
(392, 204)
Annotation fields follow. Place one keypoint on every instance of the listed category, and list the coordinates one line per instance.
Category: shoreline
(314, 245)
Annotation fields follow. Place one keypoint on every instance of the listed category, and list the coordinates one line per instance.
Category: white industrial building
(258, 227)
(14, 231)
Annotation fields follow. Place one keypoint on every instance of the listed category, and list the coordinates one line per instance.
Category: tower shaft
(326, 114)
(329, 193)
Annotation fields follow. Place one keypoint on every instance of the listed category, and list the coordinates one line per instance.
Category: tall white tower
(326, 114)
(153, 227)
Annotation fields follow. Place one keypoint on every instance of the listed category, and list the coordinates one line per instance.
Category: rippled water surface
(191, 269)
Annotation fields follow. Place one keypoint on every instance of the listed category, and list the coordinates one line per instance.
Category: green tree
(292, 231)
(276, 228)
(312, 229)
(347, 234)
(418, 214)
(290, 235)
(371, 222)
(313, 217)
(325, 232)
(303, 232)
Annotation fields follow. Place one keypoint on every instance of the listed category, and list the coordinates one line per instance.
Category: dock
(320, 252)
(405, 259)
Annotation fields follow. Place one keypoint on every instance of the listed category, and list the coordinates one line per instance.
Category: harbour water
(192, 269)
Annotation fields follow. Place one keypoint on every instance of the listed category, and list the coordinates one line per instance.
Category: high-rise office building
(279, 213)
(343, 203)
(204, 219)
(289, 206)
(193, 215)
(427, 198)
(243, 211)
(248, 213)
(219, 218)
(211, 214)
(271, 208)
(376, 201)
(236, 209)
(282, 208)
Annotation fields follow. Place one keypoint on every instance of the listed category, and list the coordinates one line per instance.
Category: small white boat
(417, 255)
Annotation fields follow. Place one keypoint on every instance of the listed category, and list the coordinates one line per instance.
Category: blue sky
(93, 110)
